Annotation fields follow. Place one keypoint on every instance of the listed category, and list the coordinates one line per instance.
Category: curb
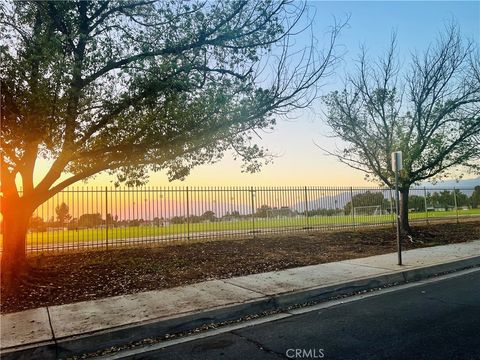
(91, 342)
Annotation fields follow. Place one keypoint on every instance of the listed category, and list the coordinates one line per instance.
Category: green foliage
(209, 216)
(416, 203)
(235, 214)
(37, 224)
(476, 197)
(447, 199)
(62, 212)
(178, 220)
(90, 220)
(262, 211)
(461, 198)
(323, 212)
(135, 86)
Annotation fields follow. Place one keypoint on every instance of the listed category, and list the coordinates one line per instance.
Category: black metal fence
(87, 217)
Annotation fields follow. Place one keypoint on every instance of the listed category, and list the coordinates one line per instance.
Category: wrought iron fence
(79, 218)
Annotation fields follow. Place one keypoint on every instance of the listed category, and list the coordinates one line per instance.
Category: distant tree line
(267, 211)
(444, 199)
(207, 216)
(323, 212)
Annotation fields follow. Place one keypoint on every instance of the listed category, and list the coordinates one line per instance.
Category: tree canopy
(429, 110)
(134, 86)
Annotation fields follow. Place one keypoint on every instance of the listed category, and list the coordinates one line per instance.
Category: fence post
(353, 207)
(455, 200)
(253, 211)
(188, 215)
(426, 206)
(306, 207)
(106, 216)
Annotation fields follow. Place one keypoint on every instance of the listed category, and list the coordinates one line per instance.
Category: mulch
(76, 276)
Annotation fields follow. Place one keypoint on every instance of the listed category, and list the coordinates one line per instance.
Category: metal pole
(397, 206)
(352, 207)
(426, 206)
(391, 207)
(188, 216)
(106, 216)
(455, 200)
(253, 211)
(306, 207)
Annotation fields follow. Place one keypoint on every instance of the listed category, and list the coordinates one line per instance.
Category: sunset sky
(300, 161)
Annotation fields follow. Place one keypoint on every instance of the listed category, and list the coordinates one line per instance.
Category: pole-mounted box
(397, 161)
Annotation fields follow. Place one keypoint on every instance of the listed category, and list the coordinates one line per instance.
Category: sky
(298, 160)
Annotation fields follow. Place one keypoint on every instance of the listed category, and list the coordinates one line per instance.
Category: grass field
(100, 235)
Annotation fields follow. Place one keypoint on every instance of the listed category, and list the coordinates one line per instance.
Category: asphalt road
(439, 320)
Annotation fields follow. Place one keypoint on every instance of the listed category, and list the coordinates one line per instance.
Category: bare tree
(431, 113)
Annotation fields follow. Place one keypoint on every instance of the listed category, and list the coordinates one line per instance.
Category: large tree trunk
(16, 216)
(404, 223)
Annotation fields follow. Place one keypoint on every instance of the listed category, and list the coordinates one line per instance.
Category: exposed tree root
(414, 241)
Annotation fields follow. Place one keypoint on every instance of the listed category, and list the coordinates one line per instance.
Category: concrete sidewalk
(59, 331)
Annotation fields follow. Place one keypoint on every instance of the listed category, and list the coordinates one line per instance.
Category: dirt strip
(77, 276)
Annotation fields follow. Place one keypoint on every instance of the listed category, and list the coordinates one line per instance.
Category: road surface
(437, 320)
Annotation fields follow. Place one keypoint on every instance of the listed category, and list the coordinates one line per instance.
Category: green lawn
(180, 230)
